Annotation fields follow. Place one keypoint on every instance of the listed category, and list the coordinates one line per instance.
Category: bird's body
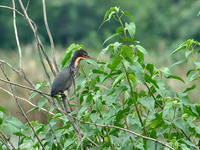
(64, 79)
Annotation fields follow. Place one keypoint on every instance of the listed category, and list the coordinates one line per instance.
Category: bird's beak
(88, 57)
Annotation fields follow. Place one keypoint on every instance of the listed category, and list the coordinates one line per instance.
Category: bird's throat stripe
(77, 61)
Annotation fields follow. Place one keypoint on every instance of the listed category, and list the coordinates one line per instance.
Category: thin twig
(16, 36)
(27, 5)
(10, 8)
(49, 35)
(153, 95)
(7, 139)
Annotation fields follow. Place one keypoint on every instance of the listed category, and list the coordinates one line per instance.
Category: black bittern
(65, 78)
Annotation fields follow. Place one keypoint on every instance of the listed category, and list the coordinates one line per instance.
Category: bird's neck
(75, 65)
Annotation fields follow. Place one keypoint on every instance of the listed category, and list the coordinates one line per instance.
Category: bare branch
(49, 35)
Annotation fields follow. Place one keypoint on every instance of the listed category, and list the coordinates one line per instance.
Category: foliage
(123, 91)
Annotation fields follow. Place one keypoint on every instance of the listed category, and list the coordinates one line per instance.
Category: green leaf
(11, 125)
(175, 77)
(168, 112)
(126, 13)
(190, 88)
(147, 102)
(131, 29)
(141, 49)
(191, 75)
(127, 53)
(188, 53)
(32, 109)
(181, 124)
(41, 103)
(2, 109)
(138, 70)
(115, 62)
(110, 37)
(177, 63)
(150, 68)
(133, 79)
(181, 47)
(108, 15)
(38, 85)
(33, 94)
(197, 64)
(165, 70)
(118, 79)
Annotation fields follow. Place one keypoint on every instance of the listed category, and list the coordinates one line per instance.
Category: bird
(64, 79)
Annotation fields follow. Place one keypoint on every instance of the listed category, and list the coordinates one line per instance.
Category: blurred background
(161, 26)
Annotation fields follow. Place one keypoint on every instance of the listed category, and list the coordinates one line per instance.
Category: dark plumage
(64, 79)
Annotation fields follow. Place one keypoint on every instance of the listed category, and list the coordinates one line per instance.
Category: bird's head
(79, 55)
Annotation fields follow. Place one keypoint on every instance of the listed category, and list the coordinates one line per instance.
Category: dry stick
(21, 109)
(133, 96)
(77, 106)
(7, 139)
(49, 35)
(34, 29)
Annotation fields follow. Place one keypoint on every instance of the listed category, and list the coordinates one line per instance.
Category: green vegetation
(122, 92)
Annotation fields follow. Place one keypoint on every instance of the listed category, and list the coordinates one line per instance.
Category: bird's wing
(62, 81)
